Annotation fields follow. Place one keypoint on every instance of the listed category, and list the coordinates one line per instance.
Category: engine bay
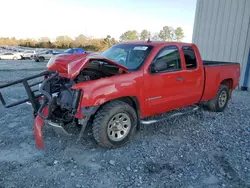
(65, 101)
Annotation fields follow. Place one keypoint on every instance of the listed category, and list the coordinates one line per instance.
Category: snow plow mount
(32, 97)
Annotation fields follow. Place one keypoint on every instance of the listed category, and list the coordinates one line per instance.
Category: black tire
(41, 59)
(213, 105)
(102, 120)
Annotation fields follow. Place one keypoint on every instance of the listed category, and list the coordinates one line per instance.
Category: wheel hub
(222, 99)
(119, 127)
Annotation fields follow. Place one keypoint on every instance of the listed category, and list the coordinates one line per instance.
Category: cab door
(165, 86)
(194, 76)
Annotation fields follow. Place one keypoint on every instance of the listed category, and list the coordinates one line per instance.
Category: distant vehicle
(14, 56)
(45, 55)
(74, 51)
(28, 54)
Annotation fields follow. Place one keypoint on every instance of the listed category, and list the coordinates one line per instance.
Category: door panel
(180, 85)
(165, 91)
(166, 81)
(194, 75)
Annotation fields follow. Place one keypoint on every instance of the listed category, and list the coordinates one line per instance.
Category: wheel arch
(229, 83)
(131, 100)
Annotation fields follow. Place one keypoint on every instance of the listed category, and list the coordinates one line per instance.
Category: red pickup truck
(121, 88)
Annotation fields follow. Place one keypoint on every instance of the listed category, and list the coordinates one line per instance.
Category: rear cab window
(190, 58)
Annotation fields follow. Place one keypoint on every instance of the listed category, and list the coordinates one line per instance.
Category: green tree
(109, 41)
(129, 35)
(167, 33)
(145, 34)
(179, 34)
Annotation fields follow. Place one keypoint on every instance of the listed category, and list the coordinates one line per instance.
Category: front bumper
(38, 128)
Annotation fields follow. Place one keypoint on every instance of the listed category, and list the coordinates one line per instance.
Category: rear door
(194, 76)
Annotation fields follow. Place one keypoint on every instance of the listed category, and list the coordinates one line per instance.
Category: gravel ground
(203, 149)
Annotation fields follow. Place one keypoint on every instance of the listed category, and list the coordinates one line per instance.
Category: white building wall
(222, 31)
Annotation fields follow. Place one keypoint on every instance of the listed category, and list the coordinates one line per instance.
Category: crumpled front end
(38, 128)
(58, 108)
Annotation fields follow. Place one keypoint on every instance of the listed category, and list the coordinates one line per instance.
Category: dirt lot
(201, 150)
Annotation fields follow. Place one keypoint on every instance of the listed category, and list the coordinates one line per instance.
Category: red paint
(198, 85)
(38, 128)
(70, 65)
(214, 76)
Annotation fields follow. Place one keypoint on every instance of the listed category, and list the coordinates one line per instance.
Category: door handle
(180, 79)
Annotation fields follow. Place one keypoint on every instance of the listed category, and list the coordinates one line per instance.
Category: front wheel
(220, 102)
(114, 124)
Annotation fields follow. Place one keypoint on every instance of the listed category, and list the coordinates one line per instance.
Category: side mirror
(158, 66)
(152, 68)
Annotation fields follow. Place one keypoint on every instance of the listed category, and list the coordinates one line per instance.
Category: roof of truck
(154, 43)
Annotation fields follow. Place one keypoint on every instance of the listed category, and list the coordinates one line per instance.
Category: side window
(167, 60)
(190, 58)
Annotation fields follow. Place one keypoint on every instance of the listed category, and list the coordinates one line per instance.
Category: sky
(97, 18)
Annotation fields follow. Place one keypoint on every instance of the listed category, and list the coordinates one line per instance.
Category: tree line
(96, 44)
(167, 33)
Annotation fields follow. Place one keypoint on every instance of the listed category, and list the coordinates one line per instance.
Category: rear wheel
(114, 124)
(220, 102)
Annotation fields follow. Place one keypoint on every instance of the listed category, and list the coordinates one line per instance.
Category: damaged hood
(70, 65)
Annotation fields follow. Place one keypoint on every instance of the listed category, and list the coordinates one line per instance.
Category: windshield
(132, 56)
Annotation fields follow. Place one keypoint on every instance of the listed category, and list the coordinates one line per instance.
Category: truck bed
(215, 73)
